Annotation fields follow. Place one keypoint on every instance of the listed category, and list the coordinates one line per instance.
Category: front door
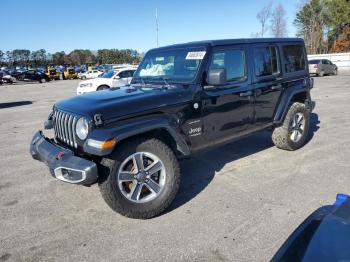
(228, 109)
(121, 79)
(267, 82)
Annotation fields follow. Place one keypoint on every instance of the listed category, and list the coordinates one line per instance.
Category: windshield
(174, 65)
(108, 74)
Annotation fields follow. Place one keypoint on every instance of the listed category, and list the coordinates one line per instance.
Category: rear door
(324, 66)
(329, 66)
(267, 82)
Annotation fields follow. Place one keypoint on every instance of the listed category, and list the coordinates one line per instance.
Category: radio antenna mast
(157, 29)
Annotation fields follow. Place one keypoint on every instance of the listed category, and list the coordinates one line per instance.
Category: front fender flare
(140, 127)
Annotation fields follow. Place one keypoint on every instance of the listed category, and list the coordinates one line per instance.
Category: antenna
(157, 29)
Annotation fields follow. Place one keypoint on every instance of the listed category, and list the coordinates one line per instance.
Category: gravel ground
(238, 202)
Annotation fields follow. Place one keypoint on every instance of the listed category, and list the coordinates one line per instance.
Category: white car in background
(108, 80)
(90, 74)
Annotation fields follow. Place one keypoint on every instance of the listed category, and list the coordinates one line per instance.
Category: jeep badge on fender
(182, 99)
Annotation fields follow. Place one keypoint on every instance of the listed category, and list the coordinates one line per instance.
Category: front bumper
(62, 163)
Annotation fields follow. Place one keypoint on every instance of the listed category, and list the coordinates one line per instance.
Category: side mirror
(216, 77)
(116, 77)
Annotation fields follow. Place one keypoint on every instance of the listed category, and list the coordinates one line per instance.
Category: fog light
(69, 175)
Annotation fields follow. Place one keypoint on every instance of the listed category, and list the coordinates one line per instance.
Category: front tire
(103, 87)
(294, 130)
(140, 179)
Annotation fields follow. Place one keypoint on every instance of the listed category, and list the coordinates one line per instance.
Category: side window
(130, 73)
(294, 58)
(266, 61)
(122, 74)
(231, 60)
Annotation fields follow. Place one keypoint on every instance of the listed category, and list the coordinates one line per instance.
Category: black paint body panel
(195, 116)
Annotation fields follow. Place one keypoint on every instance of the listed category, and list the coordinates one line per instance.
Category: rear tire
(119, 195)
(43, 80)
(294, 130)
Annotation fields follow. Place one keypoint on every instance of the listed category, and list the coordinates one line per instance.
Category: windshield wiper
(143, 83)
(165, 80)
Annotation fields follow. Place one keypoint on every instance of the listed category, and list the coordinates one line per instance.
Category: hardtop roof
(221, 42)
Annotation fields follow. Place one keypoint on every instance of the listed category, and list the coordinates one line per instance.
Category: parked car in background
(53, 73)
(120, 66)
(33, 75)
(6, 77)
(90, 74)
(107, 80)
(80, 68)
(70, 73)
(321, 67)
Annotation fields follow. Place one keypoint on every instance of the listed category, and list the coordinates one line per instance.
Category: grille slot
(64, 126)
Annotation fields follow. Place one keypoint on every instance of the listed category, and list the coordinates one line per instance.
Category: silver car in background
(321, 67)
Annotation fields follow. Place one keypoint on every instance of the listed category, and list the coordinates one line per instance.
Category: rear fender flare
(286, 99)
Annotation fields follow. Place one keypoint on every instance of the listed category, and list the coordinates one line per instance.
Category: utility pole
(157, 29)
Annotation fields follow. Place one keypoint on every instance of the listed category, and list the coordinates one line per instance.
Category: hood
(124, 101)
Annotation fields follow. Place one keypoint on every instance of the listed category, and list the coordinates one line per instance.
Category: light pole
(157, 29)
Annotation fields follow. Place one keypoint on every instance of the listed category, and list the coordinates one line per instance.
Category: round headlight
(82, 128)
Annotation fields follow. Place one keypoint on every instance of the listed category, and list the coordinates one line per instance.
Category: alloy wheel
(297, 127)
(141, 177)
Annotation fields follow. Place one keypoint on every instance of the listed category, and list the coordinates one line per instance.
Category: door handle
(276, 87)
(248, 93)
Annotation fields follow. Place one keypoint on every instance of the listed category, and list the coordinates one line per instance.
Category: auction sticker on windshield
(195, 55)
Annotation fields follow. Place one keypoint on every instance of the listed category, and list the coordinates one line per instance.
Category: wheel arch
(163, 134)
(300, 94)
(102, 85)
(159, 127)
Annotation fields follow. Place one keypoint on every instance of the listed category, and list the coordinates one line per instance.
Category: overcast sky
(66, 24)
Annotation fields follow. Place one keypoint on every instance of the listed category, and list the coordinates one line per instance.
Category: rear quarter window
(294, 58)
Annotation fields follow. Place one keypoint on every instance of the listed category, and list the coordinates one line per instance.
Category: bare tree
(263, 16)
(278, 21)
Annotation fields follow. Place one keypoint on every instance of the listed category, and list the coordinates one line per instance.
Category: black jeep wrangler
(182, 99)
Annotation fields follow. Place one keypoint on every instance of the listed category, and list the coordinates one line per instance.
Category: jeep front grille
(64, 126)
